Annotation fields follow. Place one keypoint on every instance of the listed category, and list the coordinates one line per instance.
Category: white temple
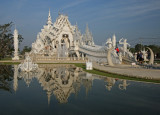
(16, 57)
(61, 40)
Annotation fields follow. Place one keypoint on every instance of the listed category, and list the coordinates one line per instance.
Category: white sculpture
(89, 65)
(120, 57)
(28, 65)
(151, 60)
(125, 44)
(109, 59)
(110, 83)
(135, 56)
(144, 55)
(16, 57)
(114, 41)
(124, 85)
(109, 43)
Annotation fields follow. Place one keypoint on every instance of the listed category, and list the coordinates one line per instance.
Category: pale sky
(131, 19)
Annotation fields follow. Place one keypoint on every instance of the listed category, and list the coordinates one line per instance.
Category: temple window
(65, 35)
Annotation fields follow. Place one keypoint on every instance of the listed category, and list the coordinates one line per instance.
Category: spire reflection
(62, 80)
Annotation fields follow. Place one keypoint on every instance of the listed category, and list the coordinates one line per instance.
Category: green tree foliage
(6, 73)
(140, 47)
(25, 49)
(6, 40)
(155, 48)
(132, 50)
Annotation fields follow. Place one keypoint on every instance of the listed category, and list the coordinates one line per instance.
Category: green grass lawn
(6, 59)
(9, 63)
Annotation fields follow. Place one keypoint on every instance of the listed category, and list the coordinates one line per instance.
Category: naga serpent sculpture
(109, 57)
(151, 60)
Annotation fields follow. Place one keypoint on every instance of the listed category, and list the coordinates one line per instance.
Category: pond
(66, 89)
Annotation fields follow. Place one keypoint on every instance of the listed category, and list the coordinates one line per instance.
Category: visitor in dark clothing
(138, 56)
(141, 57)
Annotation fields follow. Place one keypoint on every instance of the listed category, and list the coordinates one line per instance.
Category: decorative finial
(49, 12)
(49, 21)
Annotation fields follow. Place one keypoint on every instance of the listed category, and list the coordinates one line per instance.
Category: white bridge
(92, 52)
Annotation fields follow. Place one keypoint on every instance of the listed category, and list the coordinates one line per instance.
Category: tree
(6, 40)
(138, 47)
(132, 50)
(25, 49)
(155, 49)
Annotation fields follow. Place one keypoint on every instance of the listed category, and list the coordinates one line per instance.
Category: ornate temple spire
(49, 21)
(88, 36)
(16, 57)
(87, 29)
(76, 28)
(87, 33)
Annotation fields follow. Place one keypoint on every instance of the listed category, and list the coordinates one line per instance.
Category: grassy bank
(9, 63)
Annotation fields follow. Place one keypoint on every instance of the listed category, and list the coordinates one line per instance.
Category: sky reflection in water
(65, 89)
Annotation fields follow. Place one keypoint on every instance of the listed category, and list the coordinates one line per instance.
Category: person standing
(117, 50)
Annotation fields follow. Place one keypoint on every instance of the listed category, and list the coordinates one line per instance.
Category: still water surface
(67, 90)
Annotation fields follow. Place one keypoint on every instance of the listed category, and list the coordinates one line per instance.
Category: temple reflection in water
(63, 80)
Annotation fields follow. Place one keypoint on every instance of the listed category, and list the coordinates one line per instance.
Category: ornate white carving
(114, 41)
(125, 44)
(109, 43)
(144, 55)
(49, 21)
(87, 38)
(151, 60)
(109, 59)
(27, 65)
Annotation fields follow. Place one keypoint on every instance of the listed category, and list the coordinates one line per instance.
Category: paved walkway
(127, 70)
